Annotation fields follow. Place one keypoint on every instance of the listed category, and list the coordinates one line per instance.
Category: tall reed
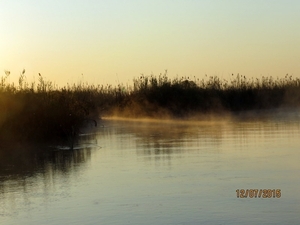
(43, 111)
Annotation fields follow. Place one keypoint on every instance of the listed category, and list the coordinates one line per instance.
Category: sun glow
(113, 41)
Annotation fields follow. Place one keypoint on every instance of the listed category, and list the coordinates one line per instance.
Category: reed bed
(43, 112)
(183, 97)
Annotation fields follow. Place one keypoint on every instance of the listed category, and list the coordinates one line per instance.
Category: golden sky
(111, 41)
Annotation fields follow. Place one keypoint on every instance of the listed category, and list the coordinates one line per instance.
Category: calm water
(133, 172)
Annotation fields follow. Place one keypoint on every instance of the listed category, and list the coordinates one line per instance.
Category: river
(161, 172)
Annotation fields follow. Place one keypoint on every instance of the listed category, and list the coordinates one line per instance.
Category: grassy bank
(41, 111)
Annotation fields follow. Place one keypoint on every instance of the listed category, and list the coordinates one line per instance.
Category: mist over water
(161, 172)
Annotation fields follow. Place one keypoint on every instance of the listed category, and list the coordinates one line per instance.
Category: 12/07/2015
(258, 193)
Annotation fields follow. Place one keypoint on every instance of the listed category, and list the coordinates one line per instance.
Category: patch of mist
(192, 120)
(222, 117)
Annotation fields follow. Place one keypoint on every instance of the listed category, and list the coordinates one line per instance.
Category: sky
(114, 41)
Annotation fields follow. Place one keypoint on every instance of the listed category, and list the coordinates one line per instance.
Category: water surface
(135, 172)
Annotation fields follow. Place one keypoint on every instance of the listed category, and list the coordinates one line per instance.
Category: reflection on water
(159, 172)
(26, 175)
(21, 162)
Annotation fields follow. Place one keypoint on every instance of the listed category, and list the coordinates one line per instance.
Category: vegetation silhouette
(43, 113)
(184, 98)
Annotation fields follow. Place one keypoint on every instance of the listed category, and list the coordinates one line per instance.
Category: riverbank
(161, 97)
(42, 112)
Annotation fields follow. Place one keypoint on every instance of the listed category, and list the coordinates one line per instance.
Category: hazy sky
(109, 41)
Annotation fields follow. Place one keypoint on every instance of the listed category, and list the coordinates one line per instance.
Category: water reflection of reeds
(26, 176)
(26, 179)
(30, 162)
(158, 140)
(166, 139)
